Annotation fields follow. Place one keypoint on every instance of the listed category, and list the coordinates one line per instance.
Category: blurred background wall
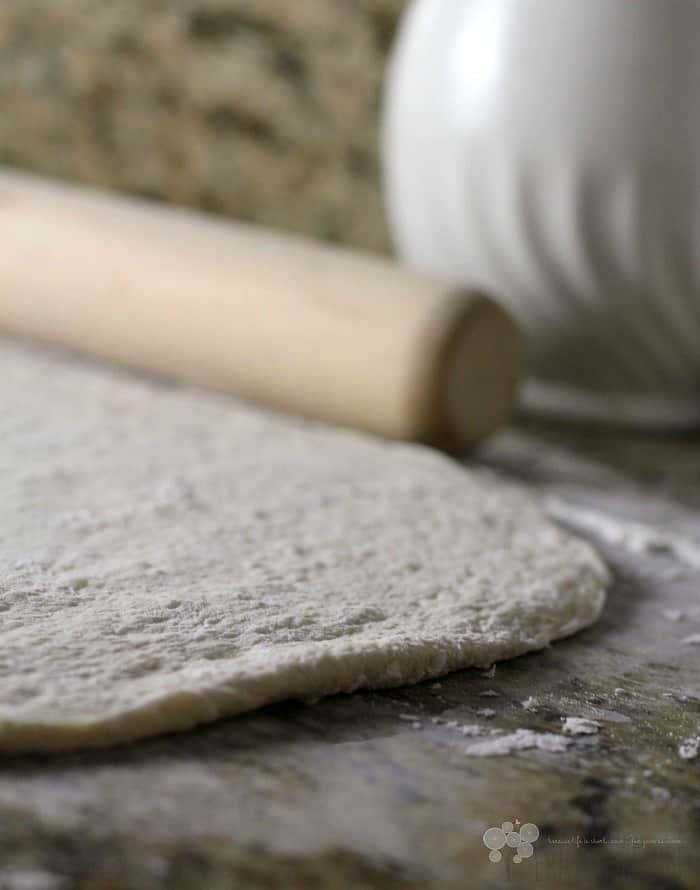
(265, 110)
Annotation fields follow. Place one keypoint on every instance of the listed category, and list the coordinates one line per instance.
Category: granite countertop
(377, 790)
(264, 110)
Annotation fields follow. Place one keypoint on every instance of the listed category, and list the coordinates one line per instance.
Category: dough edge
(323, 669)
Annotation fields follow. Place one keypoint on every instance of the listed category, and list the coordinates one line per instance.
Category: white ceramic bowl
(549, 151)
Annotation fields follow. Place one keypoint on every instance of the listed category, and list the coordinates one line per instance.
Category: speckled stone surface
(265, 110)
(377, 790)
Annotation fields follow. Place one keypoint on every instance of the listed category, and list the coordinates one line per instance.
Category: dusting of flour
(580, 726)
(169, 557)
(520, 740)
(634, 537)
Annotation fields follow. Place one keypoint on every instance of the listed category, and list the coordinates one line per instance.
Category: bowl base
(569, 403)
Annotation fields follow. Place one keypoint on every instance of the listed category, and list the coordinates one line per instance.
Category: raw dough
(170, 556)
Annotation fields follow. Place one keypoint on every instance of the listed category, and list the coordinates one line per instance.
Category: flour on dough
(169, 557)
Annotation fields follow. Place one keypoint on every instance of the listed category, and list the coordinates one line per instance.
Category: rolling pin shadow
(325, 332)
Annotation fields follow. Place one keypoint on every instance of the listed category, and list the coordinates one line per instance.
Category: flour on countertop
(632, 536)
(580, 726)
(690, 748)
(530, 703)
(520, 740)
(488, 713)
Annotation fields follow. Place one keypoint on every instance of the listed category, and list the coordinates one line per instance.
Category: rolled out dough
(169, 557)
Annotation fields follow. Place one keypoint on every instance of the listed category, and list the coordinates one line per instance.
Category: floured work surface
(170, 557)
(394, 789)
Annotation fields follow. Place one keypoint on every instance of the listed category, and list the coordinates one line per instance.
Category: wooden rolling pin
(325, 332)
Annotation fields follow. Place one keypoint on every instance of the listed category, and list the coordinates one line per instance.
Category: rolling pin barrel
(325, 332)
